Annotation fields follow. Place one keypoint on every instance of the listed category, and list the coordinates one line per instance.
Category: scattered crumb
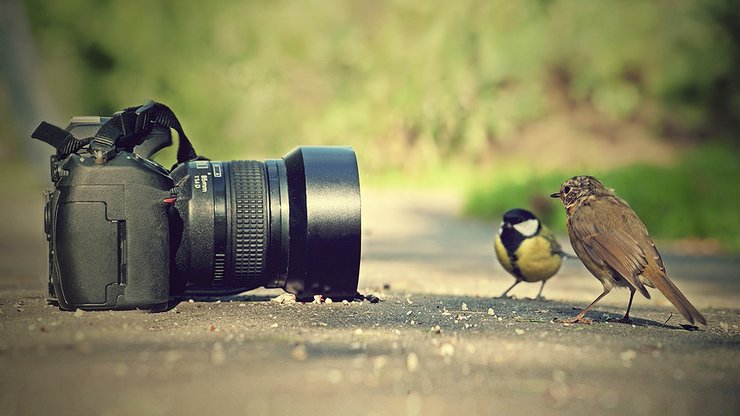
(284, 298)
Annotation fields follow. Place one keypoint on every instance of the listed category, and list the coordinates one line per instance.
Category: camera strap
(125, 130)
(60, 139)
(131, 127)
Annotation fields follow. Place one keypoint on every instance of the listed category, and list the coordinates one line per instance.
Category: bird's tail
(671, 292)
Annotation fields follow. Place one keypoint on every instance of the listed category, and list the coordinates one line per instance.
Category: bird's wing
(554, 244)
(605, 241)
(619, 241)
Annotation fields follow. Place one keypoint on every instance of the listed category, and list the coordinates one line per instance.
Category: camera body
(126, 233)
(109, 234)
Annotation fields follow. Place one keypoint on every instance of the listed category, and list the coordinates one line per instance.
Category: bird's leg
(503, 295)
(539, 294)
(626, 318)
(580, 318)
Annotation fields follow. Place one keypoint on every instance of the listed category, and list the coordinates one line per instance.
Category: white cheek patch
(501, 228)
(527, 228)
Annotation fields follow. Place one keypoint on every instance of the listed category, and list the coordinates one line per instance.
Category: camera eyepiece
(292, 223)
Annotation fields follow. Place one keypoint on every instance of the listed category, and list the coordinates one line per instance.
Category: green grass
(698, 197)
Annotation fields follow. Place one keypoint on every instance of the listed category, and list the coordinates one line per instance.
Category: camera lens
(291, 223)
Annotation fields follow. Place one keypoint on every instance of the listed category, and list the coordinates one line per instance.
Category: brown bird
(615, 246)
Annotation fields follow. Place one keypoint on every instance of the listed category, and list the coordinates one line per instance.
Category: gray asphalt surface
(437, 343)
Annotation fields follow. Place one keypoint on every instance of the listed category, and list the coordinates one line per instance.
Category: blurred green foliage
(696, 198)
(411, 84)
(423, 88)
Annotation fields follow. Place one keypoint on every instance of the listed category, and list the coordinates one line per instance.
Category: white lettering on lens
(204, 183)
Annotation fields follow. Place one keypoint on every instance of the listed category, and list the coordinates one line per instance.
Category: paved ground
(437, 343)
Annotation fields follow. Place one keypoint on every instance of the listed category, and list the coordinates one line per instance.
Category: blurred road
(437, 343)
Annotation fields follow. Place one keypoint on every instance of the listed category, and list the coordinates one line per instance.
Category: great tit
(527, 249)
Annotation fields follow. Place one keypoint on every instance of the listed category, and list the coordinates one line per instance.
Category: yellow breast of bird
(536, 260)
(503, 257)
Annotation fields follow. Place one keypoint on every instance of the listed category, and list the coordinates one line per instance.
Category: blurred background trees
(497, 98)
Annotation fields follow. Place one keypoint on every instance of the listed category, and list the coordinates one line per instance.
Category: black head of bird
(614, 245)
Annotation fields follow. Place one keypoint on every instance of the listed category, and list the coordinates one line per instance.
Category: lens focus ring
(248, 219)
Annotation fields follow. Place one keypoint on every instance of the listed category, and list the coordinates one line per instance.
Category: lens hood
(325, 222)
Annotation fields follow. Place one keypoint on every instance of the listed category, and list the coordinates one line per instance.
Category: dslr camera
(126, 233)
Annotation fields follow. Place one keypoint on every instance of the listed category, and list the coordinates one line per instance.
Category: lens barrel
(292, 223)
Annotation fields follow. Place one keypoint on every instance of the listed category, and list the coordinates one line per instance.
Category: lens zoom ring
(249, 220)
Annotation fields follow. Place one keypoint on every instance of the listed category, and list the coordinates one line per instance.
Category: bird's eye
(566, 189)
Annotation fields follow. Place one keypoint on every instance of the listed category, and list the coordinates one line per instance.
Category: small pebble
(334, 376)
(412, 362)
(628, 355)
(464, 306)
(447, 350)
(490, 311)
(218, 355)
(299, 352)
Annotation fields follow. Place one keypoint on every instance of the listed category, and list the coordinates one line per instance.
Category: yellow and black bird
(527, 249)
(615, 246)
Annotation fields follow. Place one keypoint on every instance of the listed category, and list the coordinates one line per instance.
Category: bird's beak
(555, 195)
